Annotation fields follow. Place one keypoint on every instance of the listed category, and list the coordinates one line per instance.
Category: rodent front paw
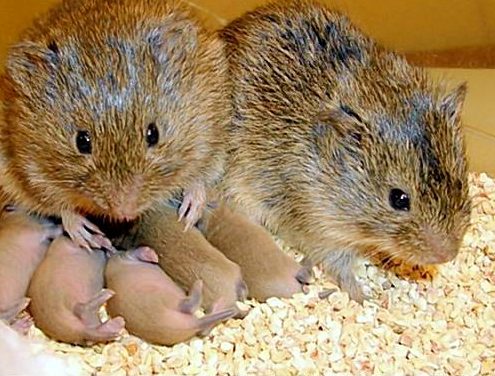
(355, 291)
(339, 264)
(192, 206)
(84, 233)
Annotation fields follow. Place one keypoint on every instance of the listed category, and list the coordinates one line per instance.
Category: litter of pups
(438, 321)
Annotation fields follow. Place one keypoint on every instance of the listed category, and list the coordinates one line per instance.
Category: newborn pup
(267, 270)
(111, 107)
(66, 293)
(339, 146)
(24, 240)
(154, 307)
(187, 257)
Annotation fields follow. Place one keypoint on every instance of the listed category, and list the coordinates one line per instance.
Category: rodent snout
(126, 212)
(123, 204)
(440, 248)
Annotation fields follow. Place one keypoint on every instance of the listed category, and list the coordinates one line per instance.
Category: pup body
(154, 307)
(67, 292)
(187, 257)
(109, 108)
(339, 146)
(24, 240)
(266, 269)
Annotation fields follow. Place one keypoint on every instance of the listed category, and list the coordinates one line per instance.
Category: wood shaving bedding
(419, 321)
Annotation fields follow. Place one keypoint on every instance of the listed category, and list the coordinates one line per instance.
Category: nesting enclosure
(419, 321)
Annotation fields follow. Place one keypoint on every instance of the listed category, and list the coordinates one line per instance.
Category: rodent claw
(326, 293)
(183, 208)
(89, 241)
(192, 206)
(84, 233)
(91, 226)
(305, 275)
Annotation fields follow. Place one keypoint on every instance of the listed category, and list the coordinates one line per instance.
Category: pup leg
(193, 300)
(217, 315)
(93, 330)
(22, 324)
(108, 331)
(10, 313)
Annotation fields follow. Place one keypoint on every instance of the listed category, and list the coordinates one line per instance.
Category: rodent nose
(441, 249)
(124, 204)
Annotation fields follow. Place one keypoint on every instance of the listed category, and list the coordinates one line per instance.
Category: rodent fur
(112, 68)
(326, 123)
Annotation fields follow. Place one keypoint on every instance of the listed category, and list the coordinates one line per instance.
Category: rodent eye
(399, 200)
(83, 142)
(52, 46)
(152, 135)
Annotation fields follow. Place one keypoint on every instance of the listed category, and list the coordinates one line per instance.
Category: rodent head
(112, 113)
(395, 169)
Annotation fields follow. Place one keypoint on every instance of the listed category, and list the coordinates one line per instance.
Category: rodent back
(353, 146)
(110, 99)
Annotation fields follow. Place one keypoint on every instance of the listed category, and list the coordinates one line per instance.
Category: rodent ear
(27, 60)
(452, 104)
(173, 39)
(343, 122)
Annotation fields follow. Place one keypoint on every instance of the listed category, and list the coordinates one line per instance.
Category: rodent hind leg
(13, 311)
(339, 264)
(22, 324)
(108, 331)
(11, 316)
(84, 233)
(193, 204)
(88, 311)
(193, 301)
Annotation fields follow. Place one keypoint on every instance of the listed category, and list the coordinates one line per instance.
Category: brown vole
(265, 268)
(187, 257)
(111, 107)
(153, 306)
(339, 145)
(24, 240)
(67, 292)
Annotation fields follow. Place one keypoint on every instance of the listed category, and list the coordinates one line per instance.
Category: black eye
(53, 47)
(399, 200)
(152, 135)
(349, 111)
(83, 142)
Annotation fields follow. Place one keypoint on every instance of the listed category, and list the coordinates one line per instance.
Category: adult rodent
(111, 107)
(340, 146)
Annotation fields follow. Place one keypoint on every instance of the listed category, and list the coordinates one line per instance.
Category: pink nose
(124, 204)
(441, 248)
(127, 210)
